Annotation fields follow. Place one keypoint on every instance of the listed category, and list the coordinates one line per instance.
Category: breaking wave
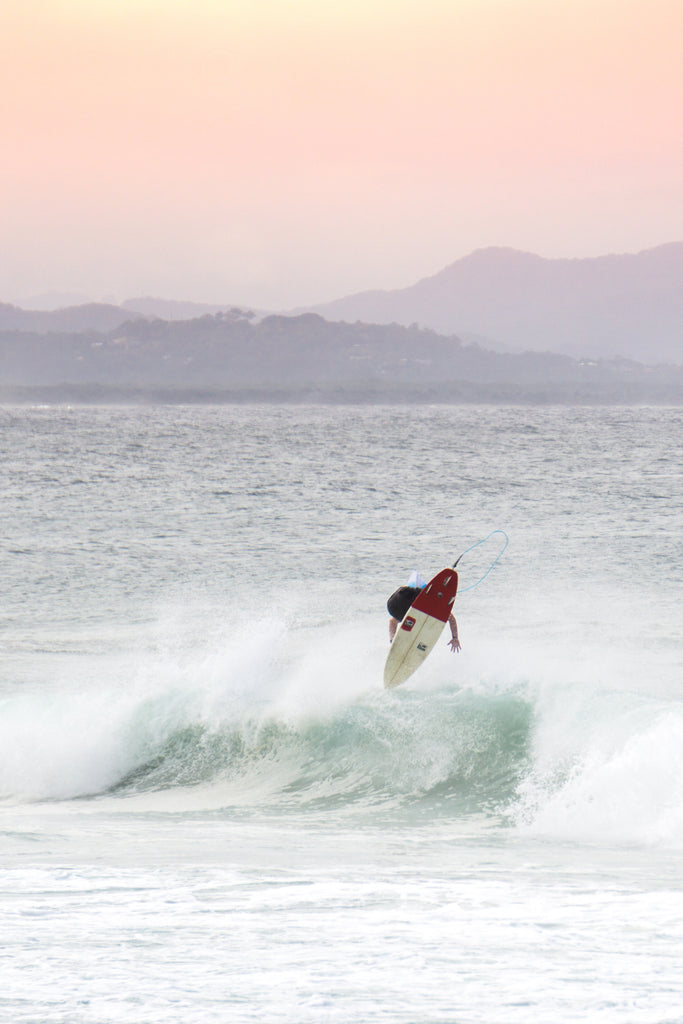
(302, 724)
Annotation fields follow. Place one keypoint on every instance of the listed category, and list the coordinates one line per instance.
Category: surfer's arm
(393, 626)
(453, 643)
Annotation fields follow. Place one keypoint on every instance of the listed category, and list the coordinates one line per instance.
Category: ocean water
(210, 808)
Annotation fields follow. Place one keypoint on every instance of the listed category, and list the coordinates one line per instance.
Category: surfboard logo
(422, 647)
(408, 623)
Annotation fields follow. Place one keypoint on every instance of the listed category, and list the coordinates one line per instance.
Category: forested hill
(229, 356)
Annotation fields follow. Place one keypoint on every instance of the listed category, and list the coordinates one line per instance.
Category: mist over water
(193, 637)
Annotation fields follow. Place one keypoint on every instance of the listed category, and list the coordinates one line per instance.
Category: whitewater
(210, 808)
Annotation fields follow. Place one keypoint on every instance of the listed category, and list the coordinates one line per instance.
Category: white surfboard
(421, 627)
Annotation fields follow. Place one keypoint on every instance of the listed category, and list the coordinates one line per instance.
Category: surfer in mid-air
(401, 600)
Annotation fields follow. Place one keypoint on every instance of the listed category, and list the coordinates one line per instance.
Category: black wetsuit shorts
(401, 600)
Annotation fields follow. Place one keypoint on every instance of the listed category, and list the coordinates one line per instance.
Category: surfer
(401, 600)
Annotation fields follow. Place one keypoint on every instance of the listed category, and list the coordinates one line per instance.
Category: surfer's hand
(454, 644)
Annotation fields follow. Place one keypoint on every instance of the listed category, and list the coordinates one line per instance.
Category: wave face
(446, 754)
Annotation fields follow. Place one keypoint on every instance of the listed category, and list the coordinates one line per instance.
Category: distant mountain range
(101, 316)
(499, 325)
(609, 306)
(173, 309)
(92, 316)
(626, 305)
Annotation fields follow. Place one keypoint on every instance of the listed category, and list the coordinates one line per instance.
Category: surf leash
(493, 563)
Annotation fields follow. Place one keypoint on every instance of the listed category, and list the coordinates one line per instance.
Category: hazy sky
(277, 152)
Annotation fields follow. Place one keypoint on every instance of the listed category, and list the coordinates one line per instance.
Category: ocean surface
(210, 808)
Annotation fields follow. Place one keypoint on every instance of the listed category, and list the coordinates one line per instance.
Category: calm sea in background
(212, 811)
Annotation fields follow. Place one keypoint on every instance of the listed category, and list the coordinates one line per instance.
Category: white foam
(607, 768)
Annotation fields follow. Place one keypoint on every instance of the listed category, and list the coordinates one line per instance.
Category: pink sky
(281, 152)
